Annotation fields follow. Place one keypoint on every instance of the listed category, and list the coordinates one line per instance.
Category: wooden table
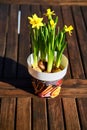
(20, 109)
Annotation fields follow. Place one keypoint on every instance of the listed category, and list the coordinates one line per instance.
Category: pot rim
(44, 76)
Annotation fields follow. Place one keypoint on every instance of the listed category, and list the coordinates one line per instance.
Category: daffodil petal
(35, 21)
(68, 29)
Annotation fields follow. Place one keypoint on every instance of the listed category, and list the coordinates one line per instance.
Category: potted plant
(47, 64)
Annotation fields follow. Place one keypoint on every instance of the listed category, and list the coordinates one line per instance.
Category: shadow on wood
(15, 74)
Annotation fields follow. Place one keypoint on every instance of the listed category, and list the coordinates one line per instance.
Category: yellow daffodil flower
(35, 21)
(68, 29)
(51, 38)
(49, 13)
(52, 23)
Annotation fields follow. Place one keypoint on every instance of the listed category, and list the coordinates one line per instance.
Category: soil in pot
(42, 67)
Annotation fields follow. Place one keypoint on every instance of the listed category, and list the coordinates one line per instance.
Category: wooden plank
(3, 30)
(73, 92)
(35, 9)
(15, 93)
(63, 2)
(39, 119)
(7, 113)
(16, 83)
(74, 88)
(75, 60)
(82, 27)
(82, 35)
(24, 43)
(55, 114)
(70, 88)
(0, 113)
(84, 13)
(82, 108)
(23, 120)
(57, 10)
(11, 46)
(82, 103)
(16, 88)
(43, 11)
(71, 114)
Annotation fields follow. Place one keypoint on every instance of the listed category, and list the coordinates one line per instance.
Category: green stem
(58, 60)
(35, 60)
(50, 61)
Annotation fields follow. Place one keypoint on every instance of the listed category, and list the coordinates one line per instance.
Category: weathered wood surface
(25, 113)
(19, 108)
(15, 48)
(51, 2)
(75, 88)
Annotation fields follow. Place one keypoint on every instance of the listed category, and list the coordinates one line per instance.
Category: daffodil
(47, 38)
(68, 29)
(35, 21)
(49, 13)
(52, 23)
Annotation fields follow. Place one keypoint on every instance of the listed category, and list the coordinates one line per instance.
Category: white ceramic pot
(44, 76)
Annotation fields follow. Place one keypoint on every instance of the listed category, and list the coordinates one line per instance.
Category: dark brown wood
(82, 35)
(82, 108)
(75, 59)
(24, 43)
(70, 88)
(36, 9)
(20, 108)
(12, 44)
(81, 29)
(55, 114)
(59, 2)
(7, 114)
(16, 88)
(73, 91)
(71, 115)
(23, 117)
(84, 12)
(39, 114)
(3, 31)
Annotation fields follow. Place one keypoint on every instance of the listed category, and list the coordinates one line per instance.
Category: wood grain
(55, 114)
(82, 108)
(39, 114)
(59, 2)
(23, 117)
(73, 49)
(20, 108)
(11, 45)
(70, 88)
(71, 115)
(3, 34)
(82, 35)
(24, 43)
(7, 113)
